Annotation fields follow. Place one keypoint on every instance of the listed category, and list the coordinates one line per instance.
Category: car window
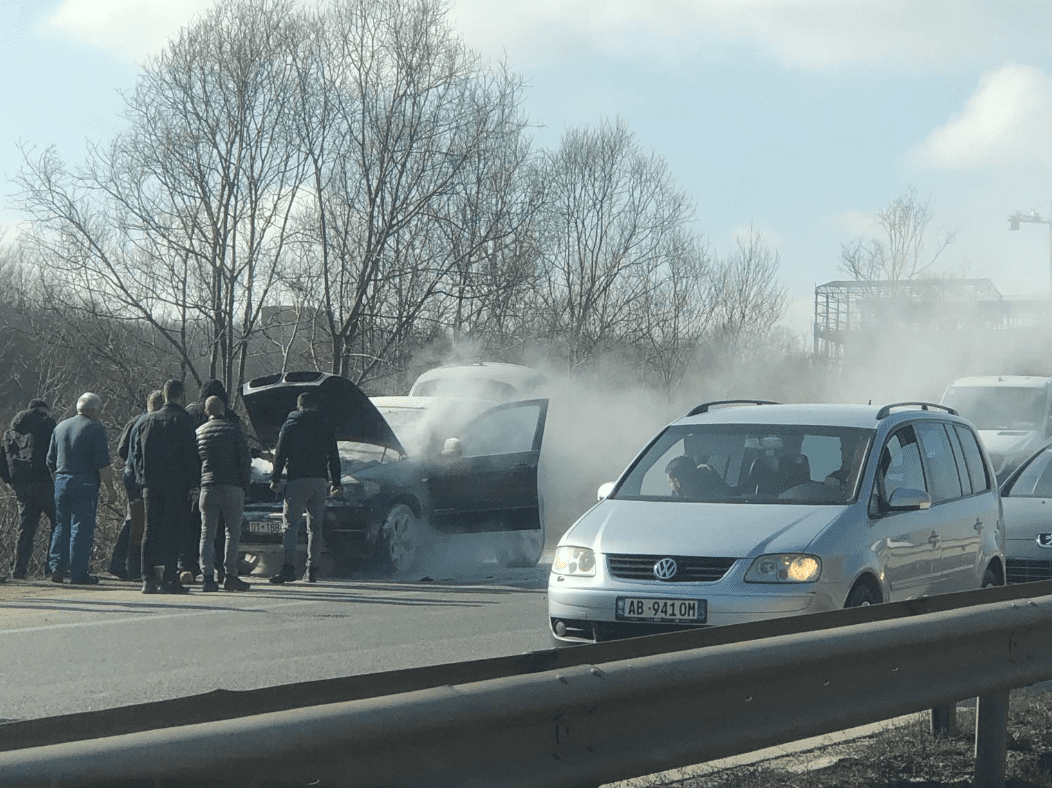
(944, 483)
(1035, 480)
(508, 430)
(999, 407)
(750, 463)
(958, 457)
(973, 458)
(900, 464)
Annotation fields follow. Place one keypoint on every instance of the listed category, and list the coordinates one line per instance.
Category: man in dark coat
(127, 550)
(167, 468)
(306, 444)
(225, 476)
(23, 465)
(215, 388)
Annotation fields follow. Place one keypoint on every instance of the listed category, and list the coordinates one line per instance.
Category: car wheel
(991, 578)
(862, 595)
(520, 548)
(399, 539)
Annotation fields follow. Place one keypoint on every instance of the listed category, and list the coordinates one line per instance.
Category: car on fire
(746, 510)
(1027, 499)
(477, 475)
(496, 381)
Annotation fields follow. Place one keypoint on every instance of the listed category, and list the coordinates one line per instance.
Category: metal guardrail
(584, 716)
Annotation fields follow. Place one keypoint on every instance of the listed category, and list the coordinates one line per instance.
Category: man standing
(306, 444)
(225, 476)
(127, 550)
(23, 465)
(215, 388)
(79, 459)
(167, 468)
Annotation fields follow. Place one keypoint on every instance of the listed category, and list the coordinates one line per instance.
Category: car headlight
(579, 561)
(785, 568)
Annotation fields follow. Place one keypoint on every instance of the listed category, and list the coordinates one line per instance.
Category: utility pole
(1033, 217)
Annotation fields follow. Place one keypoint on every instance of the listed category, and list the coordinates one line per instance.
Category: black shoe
(174, 587)
(235, 584)
(286, 575)
(150, 588)
(58, 576)
(208, 584)
(87, 580)
(19, 575)
(312, 574)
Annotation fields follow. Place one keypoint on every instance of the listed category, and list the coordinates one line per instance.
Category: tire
(862, 595)
(520, 549)
(400, 539)
(991, 578)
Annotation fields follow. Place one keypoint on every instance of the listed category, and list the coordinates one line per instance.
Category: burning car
(475, 476)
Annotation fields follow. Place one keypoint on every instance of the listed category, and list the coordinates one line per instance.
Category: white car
(486, 380)
(746, 511)
(1027, 499)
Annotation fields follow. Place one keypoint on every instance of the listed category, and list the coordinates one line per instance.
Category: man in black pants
(23, 465)
(164, 456)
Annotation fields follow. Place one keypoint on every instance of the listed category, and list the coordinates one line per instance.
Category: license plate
(675, 611)
(264, 527)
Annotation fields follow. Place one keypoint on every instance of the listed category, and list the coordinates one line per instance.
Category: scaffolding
(847, 312)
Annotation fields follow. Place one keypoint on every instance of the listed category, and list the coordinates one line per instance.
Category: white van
(1013, 414)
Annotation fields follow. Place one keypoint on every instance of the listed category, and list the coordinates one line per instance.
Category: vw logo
(665, 569)
(1043, 540)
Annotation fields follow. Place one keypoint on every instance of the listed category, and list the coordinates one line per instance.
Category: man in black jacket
(23, 465)
(306, 444)
(225, 476)
(214, 388)
(167, 468)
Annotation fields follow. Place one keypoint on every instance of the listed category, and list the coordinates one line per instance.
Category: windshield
(750, 463)
(999, 407)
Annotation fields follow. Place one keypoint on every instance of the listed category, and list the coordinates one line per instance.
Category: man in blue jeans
(307, 445)
(79, 458)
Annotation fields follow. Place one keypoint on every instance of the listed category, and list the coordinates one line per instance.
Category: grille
(690, 568)
(1023, 571)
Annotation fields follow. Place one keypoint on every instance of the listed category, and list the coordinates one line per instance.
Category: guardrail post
(944, 720)
(991, 739)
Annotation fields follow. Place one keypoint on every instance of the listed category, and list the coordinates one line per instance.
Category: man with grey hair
(79, 459)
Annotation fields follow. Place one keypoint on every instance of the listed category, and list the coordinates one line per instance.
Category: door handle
(978, 525)
(933, 539)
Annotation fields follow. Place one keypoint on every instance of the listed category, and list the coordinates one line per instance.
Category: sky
(798, 118)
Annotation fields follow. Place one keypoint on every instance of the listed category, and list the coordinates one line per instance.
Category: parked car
(1013, 414)
(395, 503)
(487, 380)
(746, 511)
(1027, 499)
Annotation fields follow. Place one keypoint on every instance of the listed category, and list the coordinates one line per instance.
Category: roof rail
(884, 412)
(706, 407)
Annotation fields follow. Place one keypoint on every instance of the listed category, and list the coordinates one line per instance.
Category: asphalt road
(66, 649)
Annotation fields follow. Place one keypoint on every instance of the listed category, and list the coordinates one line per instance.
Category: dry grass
(909, 757)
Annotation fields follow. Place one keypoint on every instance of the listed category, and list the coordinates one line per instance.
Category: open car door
(491, 484)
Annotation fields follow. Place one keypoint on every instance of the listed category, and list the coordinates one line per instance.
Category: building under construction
(959, 326)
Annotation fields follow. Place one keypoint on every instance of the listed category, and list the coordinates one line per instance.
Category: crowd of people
(186, 470)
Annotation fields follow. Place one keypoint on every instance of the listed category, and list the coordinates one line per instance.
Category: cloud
(1007, 121)
(124, 28)
(807, 34)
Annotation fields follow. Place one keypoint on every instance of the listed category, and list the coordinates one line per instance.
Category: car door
(958, 546)
(488, 481)
(905, 541)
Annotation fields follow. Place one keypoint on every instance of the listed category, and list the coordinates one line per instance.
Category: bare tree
(899, 255)
(610, 237)
(181, 222)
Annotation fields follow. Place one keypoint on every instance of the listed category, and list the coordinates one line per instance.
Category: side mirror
(604, 490)
(453, 449)
(905, 499)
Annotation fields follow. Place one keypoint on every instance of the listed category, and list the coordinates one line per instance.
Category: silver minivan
(745, 510)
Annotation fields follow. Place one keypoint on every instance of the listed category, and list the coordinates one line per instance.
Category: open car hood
(271, 398)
